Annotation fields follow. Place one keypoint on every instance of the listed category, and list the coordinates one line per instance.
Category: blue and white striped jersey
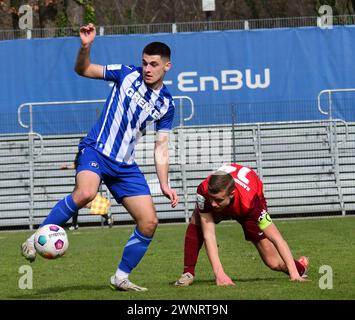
(130, 108)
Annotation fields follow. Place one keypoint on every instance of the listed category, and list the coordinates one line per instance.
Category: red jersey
(248, 202)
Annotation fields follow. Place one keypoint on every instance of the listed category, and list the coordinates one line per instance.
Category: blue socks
(134, 251)
(61, 212)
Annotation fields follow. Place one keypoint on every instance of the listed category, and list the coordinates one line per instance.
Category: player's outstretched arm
(209, 234)
(274, 235)
(67, 166)
(161, 159)
(83, 65)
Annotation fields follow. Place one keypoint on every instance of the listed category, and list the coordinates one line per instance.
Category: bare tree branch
(113, 12)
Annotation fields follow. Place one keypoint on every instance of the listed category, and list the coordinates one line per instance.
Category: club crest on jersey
(144, 104)
(200, 200)
(94, 164)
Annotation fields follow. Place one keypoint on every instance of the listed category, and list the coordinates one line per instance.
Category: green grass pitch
(93, 254)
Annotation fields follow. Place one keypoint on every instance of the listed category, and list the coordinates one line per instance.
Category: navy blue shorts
(123, 180)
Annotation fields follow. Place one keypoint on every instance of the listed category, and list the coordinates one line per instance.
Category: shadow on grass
(258, 279)
(236, 280)
(48, 292)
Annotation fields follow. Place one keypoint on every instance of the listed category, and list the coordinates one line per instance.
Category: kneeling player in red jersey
(236, 192)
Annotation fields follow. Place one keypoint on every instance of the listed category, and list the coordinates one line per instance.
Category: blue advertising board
(267, 75)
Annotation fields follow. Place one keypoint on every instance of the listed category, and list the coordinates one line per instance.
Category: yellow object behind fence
(100, 205)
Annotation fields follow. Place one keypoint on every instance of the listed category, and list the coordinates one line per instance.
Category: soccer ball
(51, 241)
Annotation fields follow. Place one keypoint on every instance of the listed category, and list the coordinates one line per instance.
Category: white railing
(330, 92)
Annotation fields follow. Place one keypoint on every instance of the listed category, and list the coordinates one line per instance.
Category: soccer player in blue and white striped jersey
(137, 100)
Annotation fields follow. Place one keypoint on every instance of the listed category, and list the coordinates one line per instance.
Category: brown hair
(219, 181)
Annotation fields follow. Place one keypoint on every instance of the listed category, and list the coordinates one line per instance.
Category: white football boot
(28, 249)
(185, 280)
(124, 285)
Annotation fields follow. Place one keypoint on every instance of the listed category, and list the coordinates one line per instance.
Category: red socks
(193, 243)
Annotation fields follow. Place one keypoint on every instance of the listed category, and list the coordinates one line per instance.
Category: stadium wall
(266, 75)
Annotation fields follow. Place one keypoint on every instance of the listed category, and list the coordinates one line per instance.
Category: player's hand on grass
(87, 34)
(223, 280)
(171, 195)
(298, 278)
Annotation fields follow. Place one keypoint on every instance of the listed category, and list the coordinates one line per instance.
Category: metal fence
(307, 166)
(196, 26)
